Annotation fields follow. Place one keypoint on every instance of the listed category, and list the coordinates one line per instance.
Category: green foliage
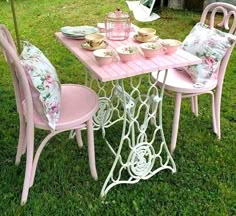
(205, 182)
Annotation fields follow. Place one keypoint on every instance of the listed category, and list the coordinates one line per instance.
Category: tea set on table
(118, 27)
(150, 47)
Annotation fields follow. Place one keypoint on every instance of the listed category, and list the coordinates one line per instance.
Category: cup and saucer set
(146, 35)
(94, 42)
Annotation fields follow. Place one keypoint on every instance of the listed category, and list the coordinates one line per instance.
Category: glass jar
(117, 25)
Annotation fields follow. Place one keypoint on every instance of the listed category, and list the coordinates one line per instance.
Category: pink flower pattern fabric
(44, 83)
(210, 45)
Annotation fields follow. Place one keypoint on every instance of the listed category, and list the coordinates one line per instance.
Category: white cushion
(44, 83)
(210, 45)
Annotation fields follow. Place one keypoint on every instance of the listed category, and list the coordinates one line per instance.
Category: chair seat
(78, 104)
(180, 81)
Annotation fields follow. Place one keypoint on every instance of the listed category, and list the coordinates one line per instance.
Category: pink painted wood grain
(120, 70)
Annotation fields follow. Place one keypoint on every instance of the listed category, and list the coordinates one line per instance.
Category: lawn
(205, 182)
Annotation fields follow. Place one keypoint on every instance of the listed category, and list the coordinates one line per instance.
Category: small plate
(86, 46)
(153, 39)
(78, 31)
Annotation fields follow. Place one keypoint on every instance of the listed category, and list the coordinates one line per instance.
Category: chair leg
(29, 162)
(175, 126)
(79, 138)
(194, 105)
(38, 153)
(91, 151)
(213, 110)
(217, 113)
(21, 147)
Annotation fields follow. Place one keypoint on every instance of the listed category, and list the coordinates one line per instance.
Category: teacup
(171, 45)
(105, 56)
(127, 53)
(94, 40)
(151, 50)
(146, 33)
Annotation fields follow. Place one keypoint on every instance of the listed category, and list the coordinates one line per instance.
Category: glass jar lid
(118, 14)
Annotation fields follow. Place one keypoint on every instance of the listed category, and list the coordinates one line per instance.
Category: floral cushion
(210, 45)
(44, 83)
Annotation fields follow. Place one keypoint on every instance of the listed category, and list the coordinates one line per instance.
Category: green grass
(205, 182)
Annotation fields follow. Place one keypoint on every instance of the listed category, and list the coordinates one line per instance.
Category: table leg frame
(141, 113)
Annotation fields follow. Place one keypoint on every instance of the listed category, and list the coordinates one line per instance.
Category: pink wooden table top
(120, 70)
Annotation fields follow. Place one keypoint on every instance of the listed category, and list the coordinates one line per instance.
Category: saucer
(139, 39)
(86, 46)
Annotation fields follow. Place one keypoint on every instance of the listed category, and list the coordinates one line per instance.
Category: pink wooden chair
(179, 84)
(76, 113)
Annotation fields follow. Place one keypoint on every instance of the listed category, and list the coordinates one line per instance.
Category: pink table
(137, 105)
(123, 70)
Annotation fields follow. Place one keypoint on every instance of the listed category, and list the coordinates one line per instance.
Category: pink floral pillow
(44, 83)
(210, 45)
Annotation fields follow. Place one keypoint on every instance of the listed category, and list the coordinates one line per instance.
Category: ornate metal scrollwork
(136, 108)
(141, 160)
(104, 112)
